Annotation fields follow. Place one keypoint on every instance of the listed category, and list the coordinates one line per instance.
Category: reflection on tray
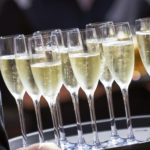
(141, 126)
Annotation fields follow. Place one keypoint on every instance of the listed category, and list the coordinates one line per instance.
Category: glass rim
(68, 29)
(36, 36)
(73, 30)
(43, 31)
(8, 36)
(41, 36)
(119, 24)
(142, 19)
(55, 30)
(139, 24)
(20, 36)
(99, 23)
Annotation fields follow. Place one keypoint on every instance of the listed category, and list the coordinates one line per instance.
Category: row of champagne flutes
(43, 52)
(41, 63)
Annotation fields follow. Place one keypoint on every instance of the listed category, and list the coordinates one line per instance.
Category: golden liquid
(67, 73)
(86, 68)
(25, 73)
(143, 40)
(48, 78)
(11, 77)
(120, 59)
(105, 75)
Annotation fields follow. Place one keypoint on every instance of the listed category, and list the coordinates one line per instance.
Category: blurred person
(41, 146)
(13, 20)
(26, 16)
(76, 13)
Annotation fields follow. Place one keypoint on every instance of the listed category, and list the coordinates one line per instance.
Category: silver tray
(141, 125)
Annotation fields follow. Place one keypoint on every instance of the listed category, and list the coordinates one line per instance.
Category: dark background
(18, 18)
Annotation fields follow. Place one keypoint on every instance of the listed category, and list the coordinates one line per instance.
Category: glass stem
(128, 115)
(75, 101)
(22, 122)
(96, 141)
(60, 120)
(111, 111)
(39, 120)
(55, 123)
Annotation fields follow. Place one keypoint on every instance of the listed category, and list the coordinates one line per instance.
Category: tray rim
(83, 124)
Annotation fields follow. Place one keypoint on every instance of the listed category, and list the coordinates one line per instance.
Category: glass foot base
(132, 141)
(98, 147)
(83, 147)
(65, 145)
(115, 142)
(25, 143)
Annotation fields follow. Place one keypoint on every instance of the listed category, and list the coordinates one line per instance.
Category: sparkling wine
(143, 39)
(67, 73)
(48, 78)
(11, 77)
(120, 59)
(25, 73)
(86, 68)
(105, 75)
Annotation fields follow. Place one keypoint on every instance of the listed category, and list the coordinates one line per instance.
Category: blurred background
(27, 16)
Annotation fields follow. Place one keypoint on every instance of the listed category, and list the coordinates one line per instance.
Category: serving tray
(141, 125)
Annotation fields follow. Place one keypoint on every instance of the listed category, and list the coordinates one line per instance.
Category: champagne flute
(107, 80)
(23, 61)
(43, 42)
(86, 65)
(12, 80)
(70, 81)
(47, 74)
(63, 140)
(119, 53)
(142, 27)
